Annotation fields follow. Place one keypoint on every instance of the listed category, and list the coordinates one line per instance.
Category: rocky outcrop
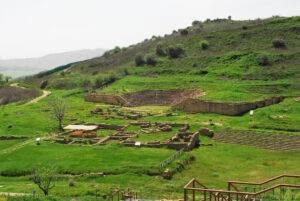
(233, 109)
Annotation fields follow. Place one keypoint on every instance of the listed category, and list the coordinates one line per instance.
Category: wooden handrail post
(185, 195)
(228, 188)
(194, 191)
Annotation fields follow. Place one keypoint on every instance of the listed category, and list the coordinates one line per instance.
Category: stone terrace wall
(106, 98)
(150, 97)
(206, 106)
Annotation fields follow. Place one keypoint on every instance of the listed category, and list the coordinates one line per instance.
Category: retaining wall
(149, 97)
(206, 106)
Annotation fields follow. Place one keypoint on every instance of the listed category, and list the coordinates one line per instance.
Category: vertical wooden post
(228, 188)
(193, 191)
(185, 195)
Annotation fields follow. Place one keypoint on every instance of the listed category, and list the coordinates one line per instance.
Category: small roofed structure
(81, 127)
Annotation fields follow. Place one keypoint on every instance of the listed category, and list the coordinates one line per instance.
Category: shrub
(112, 77)
(263, 60)
(62, 73)
(150, 60)
(99, 82)
(160, 50)
(125, 71)
(106, 54)
(44, 83)
(174, 51)
(116, 50)
(278, 43)
(204, 44)
(184, 32)
(95, 72)
(244, 27)
(85, 83)
(139, 60)
(196, 22)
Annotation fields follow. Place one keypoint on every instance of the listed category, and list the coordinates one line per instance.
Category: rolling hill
(28, 66)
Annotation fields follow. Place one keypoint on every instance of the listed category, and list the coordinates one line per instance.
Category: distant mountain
(28, 66)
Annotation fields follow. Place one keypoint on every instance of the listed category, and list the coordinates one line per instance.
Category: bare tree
(45, 178)
(59, 107)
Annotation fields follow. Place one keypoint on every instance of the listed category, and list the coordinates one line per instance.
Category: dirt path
(45, 93)
(16, 85)
(16, 147)
(12, 194)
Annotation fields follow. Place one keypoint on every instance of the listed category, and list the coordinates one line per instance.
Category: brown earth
(9, 94)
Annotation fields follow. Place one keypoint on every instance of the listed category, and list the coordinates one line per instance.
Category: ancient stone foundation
(233, 109)
(150, 97)
(180, 99)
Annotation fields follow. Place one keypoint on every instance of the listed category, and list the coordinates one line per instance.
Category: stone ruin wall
(106, 98)
(233, 109)
(184, 100)
(150, 97)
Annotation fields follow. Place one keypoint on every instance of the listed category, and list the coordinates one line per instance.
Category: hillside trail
(7, 194)
(16, 147)
(45, 93)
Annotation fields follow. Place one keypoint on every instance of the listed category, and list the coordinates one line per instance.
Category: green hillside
(239, 54)
(231, 61)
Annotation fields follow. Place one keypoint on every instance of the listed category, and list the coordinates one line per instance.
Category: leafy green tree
(7, 78)
(1, 79)
(45, 178)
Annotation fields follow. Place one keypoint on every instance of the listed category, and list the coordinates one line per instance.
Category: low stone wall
(106, 98)
(206, 106)
(149, 97)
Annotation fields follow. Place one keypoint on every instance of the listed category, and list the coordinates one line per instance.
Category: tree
(139, 60)
(45, 178)
(7, 78)
(59, 107)
(1, 79)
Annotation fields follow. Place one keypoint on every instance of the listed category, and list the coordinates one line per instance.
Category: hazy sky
(31, 28)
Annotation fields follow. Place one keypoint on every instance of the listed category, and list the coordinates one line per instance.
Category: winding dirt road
(45, 93)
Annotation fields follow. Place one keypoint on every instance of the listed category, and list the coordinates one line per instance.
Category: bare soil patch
(9, 94)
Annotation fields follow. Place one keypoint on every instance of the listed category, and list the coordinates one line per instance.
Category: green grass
(227, 71)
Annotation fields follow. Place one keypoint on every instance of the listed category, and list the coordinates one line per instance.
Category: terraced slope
(276, 142)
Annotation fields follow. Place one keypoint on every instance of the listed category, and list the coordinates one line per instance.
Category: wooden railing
(170, 159)
(204, 194)
(260, 185)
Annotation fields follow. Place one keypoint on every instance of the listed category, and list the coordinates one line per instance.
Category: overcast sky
(32, 28)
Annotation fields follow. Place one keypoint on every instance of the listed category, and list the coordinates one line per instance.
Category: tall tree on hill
(59, 107)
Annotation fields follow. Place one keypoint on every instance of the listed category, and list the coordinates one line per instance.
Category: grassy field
(229, 70)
